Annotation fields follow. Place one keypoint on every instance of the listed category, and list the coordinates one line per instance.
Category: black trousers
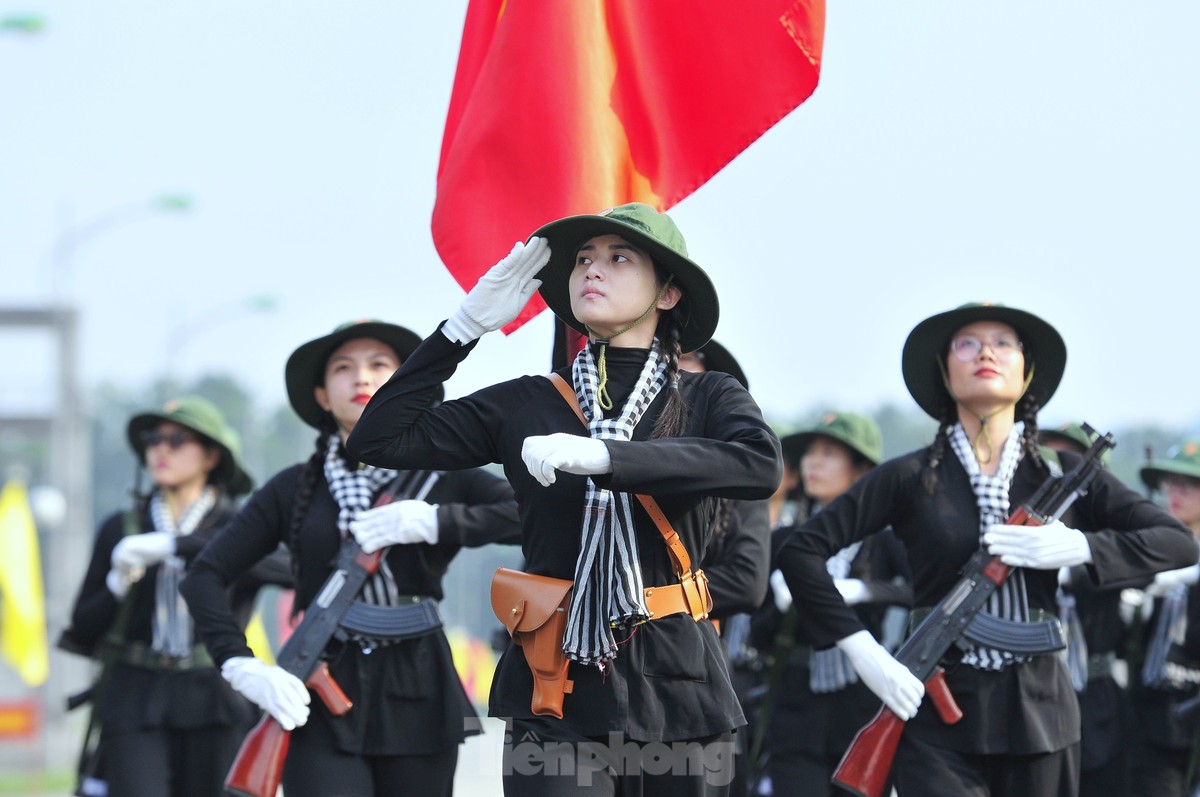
(921, 770)
(543, 760)
(1159, 771)
(802, 774)
(318, 770)
(156, 761)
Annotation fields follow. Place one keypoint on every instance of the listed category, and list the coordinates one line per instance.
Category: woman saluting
(624, 278)
(982, 371)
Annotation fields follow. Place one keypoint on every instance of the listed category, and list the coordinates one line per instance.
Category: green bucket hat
(1182, 460)
(925, 351)
(202, 417)
(859, 433)
(651, 231)
(717, 358)
(305, 367)
(1074, 435)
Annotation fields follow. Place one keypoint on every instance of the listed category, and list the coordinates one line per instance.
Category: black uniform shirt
(408, 698)
(1027, 708)
(669, 682)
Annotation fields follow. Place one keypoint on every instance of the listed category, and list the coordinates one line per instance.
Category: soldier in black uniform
(1091, 618)
(816, 702)
(652, 705)
(1167, 747)
(982, 371)
(410, 711)
(736, 562)
(168, 723)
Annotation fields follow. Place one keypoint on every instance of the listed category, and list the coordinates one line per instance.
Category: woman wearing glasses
(982, 371)
(169, 724)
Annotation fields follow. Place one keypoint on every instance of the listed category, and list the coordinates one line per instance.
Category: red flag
(571, 106)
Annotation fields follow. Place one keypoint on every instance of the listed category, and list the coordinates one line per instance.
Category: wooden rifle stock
(258, 768)
(868, 760)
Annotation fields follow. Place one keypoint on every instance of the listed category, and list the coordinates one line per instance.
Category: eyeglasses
(967, 347)
(174, 440)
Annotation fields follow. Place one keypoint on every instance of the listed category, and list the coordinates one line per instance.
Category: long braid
(673, 419)
(310, 477)
(1027, 410)
(938, 449)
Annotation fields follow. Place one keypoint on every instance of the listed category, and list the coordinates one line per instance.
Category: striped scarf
(608, 572)
(1169, 631)
(1009, 601)
(171, 626)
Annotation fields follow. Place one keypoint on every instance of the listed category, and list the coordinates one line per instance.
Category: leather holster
(534, 610)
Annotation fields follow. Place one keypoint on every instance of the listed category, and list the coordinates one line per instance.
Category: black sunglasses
(174, 440)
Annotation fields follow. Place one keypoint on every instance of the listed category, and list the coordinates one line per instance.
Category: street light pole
(73, 234)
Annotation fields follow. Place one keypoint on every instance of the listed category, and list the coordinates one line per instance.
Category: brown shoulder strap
(679, 555)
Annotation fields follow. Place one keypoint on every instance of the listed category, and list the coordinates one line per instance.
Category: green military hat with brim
(305, 369)
(857, 432)
(1072, 434)
(202, 417)
(1075, 436)
(718, 358)
(923, 359)
(1182, 460)
(653, 232)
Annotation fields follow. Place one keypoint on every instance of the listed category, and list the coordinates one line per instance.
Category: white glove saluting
(397, 523)
(273, 689)
(545, 453)
(891, 681)
(501, 293)
(1046, 547)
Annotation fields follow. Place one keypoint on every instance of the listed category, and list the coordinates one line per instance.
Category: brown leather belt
(689, 597)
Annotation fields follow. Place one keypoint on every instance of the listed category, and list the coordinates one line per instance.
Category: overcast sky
(1040, 154)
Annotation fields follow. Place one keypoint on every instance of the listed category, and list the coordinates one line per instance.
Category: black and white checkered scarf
(608, 573)
(355, 491)
(171, 627)
(1009, 601)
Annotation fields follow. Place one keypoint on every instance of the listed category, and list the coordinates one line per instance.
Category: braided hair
(310, 477)
(673, 419)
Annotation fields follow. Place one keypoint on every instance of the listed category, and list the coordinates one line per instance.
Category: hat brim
(1153, 473)
(567, 235)
(305, 368)
(927, 343)
(229, 472)
(795, 444)
(718, 358)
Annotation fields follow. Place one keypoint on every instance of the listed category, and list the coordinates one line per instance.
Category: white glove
(501, 293)
(396, 523)
(1134, 602)
(1042, 547)
(780, 591)
(273, 689)
(854, 590)
(891, 681)
(119, 580)
(546, 452)
(1168, 580)
(143, 550)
